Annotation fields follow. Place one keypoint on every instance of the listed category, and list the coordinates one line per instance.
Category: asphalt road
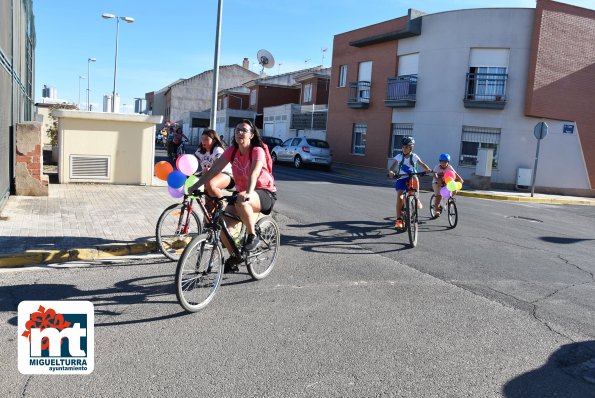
(500, 306)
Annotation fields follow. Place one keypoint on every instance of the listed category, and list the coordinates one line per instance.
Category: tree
(53, 125)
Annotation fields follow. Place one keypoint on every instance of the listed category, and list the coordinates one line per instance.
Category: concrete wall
(126, 139)
(29, 179)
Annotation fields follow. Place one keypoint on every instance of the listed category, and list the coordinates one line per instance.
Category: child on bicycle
(209, 150)
(404, 164)
(438, 180)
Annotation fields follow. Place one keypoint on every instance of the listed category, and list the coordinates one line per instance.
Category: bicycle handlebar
(419, 173)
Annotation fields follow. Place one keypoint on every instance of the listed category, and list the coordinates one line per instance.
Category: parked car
(301, 151)
(271, 142)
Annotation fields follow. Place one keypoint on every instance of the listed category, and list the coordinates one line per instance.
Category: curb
(38, 257)
(527, 199)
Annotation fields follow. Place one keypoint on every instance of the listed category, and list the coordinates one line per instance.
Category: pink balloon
(176, 192)
(449, 173)
(444, 192)
(187, 164)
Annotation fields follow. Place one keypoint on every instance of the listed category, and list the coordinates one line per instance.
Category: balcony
(359, 95)
(401, 91)
(485, 90)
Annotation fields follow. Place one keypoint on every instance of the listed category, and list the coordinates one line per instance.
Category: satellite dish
(265, 59)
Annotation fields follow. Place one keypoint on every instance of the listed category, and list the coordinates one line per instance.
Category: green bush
(53, 125)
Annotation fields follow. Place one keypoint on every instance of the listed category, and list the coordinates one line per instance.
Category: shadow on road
(562, 240)
(569, 372)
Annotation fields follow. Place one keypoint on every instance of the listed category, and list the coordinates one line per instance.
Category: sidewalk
(88, 222)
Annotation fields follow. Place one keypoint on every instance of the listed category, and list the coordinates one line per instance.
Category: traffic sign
(540, 130)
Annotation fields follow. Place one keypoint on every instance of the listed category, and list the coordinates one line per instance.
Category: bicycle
(451, 209)
(176, 225)
(409, 210)
(200, 269)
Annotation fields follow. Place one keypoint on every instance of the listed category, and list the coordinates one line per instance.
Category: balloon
(187, 164)
(451, 186)
(176, 192)
(190, 181)
(176, 179)
(444, 192)
(459, 185)
(448, 179)
(162, 170)
(449, 173)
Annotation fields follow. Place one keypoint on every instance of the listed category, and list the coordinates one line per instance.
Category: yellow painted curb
(37, 257)
(528, 199)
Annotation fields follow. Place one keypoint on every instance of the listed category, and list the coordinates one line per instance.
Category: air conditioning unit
(523, 178)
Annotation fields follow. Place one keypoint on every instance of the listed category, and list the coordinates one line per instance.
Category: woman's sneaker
(399, 224)
(232, 264)
(252, 242)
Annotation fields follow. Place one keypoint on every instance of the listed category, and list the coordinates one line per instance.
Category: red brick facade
(561, 81)
(377, 116)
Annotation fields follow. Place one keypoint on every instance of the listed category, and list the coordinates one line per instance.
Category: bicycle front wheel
(175, 228)
(432, 206)
(199, 273)
(261, 262)
(412, 226)
(453, 215)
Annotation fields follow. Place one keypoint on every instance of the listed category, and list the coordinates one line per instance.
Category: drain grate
(524, 218)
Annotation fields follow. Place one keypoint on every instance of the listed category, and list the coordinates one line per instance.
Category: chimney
(246, 63)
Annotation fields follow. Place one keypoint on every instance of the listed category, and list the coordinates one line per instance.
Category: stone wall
(30, 180)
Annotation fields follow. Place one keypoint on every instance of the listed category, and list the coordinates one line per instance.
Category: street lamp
(80, 77)
(129, 20)
(89, 81)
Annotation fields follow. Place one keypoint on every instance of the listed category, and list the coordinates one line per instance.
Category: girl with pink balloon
(446, 181)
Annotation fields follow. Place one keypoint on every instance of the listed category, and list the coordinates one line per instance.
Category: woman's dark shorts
(267, 200)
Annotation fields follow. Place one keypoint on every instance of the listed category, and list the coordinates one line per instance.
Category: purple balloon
(444, 192)
(176, 192)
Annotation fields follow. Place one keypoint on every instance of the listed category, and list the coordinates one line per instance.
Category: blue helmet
(444, 157)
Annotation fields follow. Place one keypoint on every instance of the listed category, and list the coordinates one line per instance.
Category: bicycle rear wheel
(412, 226)
(175, 228)
(453, 215)
(261, 262)
(199, 273)
(432, 206)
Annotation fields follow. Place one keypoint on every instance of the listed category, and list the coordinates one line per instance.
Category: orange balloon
(162, 170)
(448, 179)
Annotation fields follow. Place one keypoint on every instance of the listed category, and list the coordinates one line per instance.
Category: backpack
(267, 157)
(411, 161)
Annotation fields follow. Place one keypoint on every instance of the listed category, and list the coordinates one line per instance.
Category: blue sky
(176, 38)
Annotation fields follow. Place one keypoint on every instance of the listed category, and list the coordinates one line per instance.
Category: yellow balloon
(459, 185)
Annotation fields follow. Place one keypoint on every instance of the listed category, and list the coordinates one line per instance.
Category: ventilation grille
(90, 167)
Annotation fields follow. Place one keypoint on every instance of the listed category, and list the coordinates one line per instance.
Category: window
(399, 130)
(219, 104)
(225, 102)
(473, 139)
(253, 97)
(486, 83)
(308, 92)
(358, 140)
(342, 75)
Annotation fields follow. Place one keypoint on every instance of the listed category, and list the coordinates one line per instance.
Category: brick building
(469, 80)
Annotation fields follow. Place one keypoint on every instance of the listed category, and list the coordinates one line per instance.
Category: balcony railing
(401, 91)
(485, 90)
(359, 94)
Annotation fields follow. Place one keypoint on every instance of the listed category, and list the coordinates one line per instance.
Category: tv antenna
(306, 63)
(265, 59)
(323, 50)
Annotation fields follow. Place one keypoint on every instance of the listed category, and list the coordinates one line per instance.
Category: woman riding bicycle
(176, 141)
(210, 149)
(253, 179)
(404, 164)
(438, 180)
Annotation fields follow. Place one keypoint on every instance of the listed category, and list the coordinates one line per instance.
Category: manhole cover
(524, 218)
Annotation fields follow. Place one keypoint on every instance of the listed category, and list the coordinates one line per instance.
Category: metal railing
(402, 87)
(486, 86)
(359, 92)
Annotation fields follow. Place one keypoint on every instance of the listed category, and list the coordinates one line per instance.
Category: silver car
(301, 151)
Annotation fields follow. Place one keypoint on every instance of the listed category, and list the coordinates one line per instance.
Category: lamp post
(129, 20)
(80, 77)
(89, 81)
(216, 67)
